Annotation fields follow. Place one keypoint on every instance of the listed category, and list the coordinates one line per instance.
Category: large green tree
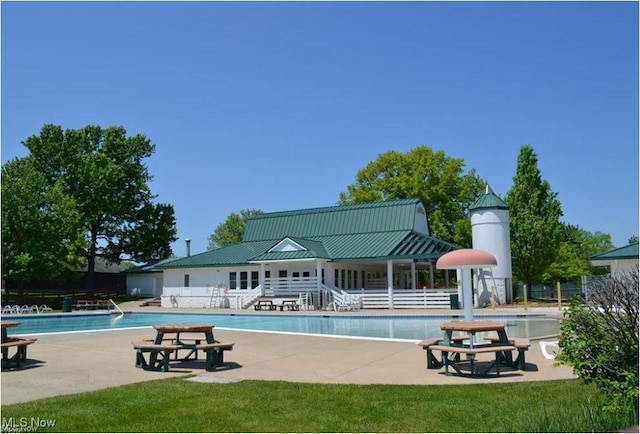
(535, 228)
(439, 181)
(572, 260)
(104, 184)
(38, 224)
(231, 231)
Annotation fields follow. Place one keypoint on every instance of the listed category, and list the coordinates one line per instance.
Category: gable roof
(334, 220)
(630, 251)
(377, 231)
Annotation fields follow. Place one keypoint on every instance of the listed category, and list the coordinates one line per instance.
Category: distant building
(619, 259)
(374, 250)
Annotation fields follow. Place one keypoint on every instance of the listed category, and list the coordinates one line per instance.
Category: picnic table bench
(455, 351)
(161, 348)
(290, 305)
(92, 304)
(15, 361)
(266, 303)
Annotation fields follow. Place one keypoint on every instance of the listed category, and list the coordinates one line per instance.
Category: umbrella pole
(466, 294)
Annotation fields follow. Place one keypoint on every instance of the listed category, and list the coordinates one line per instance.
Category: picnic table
(452, 347)
(267, 304)
(20, 344)
(290, 305)
(160, 348)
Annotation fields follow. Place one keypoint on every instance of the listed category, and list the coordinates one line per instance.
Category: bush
(599, 339)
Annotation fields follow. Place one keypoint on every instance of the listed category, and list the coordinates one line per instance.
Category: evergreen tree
(535, 227)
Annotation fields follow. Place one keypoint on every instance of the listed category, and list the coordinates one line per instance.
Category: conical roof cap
(489, 200)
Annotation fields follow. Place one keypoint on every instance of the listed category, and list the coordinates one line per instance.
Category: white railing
(250, 297)
(405, 298)
(288, 286)
(322, 297)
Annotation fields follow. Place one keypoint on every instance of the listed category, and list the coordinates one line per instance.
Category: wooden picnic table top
(183, 328)
(6, 324)
(473, 326)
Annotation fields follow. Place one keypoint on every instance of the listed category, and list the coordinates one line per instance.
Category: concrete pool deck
(69, 363)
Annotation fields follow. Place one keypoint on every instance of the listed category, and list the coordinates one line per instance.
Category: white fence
(212, 297)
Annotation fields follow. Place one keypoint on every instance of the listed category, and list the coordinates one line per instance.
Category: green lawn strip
(176, 405)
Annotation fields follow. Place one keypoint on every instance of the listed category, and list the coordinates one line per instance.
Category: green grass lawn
(177, 405)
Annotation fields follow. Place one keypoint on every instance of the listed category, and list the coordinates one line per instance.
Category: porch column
(414, 285)
(318, 274)
(432, 282)
(261, 277)
(390, 282)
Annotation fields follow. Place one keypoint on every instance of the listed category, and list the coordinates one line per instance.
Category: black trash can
(453, 301)
(67, 304)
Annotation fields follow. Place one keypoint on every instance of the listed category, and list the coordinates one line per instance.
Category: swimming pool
(380, 327)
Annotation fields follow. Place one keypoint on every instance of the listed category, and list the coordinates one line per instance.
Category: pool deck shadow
(72, 363)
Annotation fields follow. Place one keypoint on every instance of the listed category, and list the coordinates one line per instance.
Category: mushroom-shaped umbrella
(464, 260)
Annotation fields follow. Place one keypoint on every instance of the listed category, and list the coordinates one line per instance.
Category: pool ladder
(114, 303)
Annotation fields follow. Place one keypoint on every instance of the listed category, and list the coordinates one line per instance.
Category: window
(233, 283)
(282, 273)
(243, 280)
(186, 280)
(255, 279)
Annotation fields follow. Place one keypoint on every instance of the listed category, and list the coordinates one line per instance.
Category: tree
(231, 231)
(100, 175)
(599, 339)
(572, 260)
(535, 227)
(439, 181)
(633, 239)
(38, 225)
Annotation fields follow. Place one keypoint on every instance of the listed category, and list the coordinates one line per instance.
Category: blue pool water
(388, 327)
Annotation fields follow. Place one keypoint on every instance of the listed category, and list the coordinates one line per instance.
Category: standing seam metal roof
(382, 230)
(336, 220)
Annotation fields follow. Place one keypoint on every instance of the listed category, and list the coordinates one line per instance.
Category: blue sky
(276, 106)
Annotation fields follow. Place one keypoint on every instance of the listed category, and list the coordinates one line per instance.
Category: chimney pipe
(188, 241)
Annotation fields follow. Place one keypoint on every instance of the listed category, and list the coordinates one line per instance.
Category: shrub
(599, 339)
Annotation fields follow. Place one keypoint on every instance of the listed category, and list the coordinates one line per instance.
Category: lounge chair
(550, 355)
(44, 308)
(305, 302)
(7, 310)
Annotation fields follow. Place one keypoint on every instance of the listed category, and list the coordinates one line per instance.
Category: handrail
(114, 303)
(253, 295)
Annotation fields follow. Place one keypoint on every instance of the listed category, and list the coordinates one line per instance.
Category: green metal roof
(151, 267)
(238, 254)
(335, 220)
(630, 251)
(381, 231)
(488, 200)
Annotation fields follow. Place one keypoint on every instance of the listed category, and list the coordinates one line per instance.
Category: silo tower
(490, 232)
